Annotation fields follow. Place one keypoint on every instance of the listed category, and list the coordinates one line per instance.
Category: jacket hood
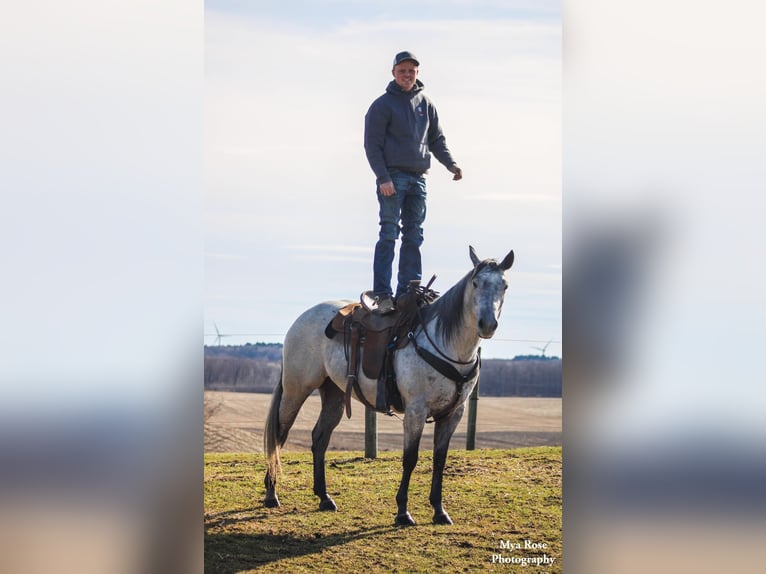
(393, 88)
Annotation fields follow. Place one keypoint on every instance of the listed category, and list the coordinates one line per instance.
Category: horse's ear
(506, 263)
(474, 258)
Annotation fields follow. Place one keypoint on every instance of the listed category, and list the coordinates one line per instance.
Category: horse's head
(487, 290)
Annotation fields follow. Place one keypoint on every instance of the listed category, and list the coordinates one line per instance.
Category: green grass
(491, 495)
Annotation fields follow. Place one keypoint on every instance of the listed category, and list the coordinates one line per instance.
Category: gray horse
(435, 375)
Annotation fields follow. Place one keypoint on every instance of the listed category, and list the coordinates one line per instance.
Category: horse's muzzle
(487, 328)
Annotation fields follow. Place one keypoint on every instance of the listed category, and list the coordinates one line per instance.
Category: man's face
(405, 74)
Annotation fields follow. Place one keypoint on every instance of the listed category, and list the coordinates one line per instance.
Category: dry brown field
(234, 423)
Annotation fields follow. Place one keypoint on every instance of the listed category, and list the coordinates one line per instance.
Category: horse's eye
(505, 287)
(475, 283)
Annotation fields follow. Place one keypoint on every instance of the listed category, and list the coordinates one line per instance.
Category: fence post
(370, 433)
(470, 436)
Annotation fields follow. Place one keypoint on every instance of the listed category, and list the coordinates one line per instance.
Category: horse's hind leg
(329, 418)
(443, 432)
(287, 400)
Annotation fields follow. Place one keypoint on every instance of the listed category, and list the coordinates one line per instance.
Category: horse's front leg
(443, 432)
(414, 421)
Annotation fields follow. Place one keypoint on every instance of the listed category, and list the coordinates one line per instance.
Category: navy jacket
(400, 129)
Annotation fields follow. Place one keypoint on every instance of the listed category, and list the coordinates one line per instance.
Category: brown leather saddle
(376, 338)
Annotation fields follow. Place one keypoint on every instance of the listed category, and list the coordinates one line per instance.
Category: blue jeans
(408, 207)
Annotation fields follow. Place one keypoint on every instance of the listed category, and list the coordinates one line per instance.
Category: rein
(445, 367)
(425, 332)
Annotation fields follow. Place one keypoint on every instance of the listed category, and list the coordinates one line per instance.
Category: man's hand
(387, 188)
(457, 171)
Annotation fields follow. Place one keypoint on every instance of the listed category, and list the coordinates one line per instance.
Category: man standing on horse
(401, 130)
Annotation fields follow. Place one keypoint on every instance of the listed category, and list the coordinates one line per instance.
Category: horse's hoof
(404, 520)
(271, 502)
(328, 504)
(442, 518)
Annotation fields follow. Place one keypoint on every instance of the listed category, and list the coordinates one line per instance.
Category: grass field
(500, 501)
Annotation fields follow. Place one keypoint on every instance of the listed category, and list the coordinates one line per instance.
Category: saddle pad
(337, 325)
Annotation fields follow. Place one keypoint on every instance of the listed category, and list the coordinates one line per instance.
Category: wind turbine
(542, 349)
(219, 335)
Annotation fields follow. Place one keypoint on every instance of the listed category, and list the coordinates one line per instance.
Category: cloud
(225, 256)
(347, 248)
(515, 197)
(337, 253)
(339, 258)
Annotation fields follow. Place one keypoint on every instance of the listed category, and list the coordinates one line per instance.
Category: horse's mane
(448, 308)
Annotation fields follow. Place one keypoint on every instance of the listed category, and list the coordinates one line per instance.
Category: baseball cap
(402, 56)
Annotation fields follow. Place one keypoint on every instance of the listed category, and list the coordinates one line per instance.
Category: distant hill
(255, 368)
(534, 358)
(529, 377)
(260, 351)
(251, 368)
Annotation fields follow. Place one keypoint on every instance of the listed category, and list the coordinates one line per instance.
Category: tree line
(256, 368)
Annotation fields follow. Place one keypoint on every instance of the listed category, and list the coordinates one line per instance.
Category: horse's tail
(272, 442)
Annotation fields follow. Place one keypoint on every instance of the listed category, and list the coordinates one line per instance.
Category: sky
(290, 206)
